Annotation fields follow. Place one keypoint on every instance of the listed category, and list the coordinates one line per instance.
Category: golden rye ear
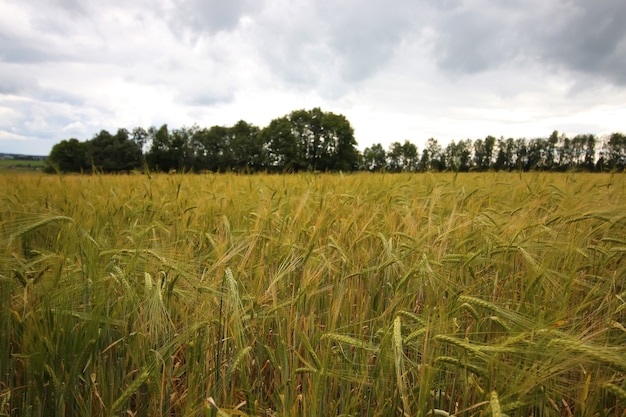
(433, 294)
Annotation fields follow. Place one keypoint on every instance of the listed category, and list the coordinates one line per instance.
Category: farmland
(313, 295)
(22, 164)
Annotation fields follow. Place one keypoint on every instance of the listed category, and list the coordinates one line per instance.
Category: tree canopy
(314, 140)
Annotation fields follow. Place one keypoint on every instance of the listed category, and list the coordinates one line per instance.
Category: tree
(553, 141)
(490, 143)
(67, 156)
(458, 155)
(616, 152)
(590, 153)
(311, 140)
(521, 154)
(246, 147)
(99, 151)
(374, 158)
(536, 156)
(402, 157)
(140, 136)
(424, 163)
(479, 154)
(505, 159)
(306, 128)
(483, 153)
(181, 148)
(394, 158)
(340, 146)
(284, 152)
(212, 149)
(127, 151)
(579, 143)
(113, 153)
(160, 157)
(436, 162)
(410, 156)
(565, 153)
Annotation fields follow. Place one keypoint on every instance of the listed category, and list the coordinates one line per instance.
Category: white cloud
(411, 70)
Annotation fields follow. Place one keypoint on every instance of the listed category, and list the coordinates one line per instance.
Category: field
(21, 165)
(313, 295)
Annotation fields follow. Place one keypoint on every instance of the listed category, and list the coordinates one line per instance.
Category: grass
(313, 295)
(21, 165)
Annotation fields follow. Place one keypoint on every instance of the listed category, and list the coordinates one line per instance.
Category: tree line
(554, 153)
(313, 140)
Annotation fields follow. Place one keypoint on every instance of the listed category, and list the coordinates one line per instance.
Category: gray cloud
(14, 84)
(332, 47)
(580, 36)
(365, 34)
(70, 67)
(16, 50)
(591, 40)
(473, 41)
(27, 87)
(197, 17)
(206, 98)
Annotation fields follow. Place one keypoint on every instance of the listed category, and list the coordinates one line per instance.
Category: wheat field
(313, 295)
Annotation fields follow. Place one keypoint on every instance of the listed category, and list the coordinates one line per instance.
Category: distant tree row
(313, 140)
(555, 153)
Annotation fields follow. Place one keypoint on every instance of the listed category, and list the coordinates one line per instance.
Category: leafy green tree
(458, 155)
(340, 146)
(181, 148)
(521, 154)
(402, 157)
(311, 140)
(436, 160)
(246, 148)
(576, 153)
(479, 154)
(306, 130)
(113, 153)
(590, 153)
(565, 153)
(127, 151)
(67, 156)
(464, 149)
(160, 156)
(306, 126)
(490, 143)
(536, 156)
(394, 158)
(553, 141)
(424, 163)
(284, 152)
(410, 156)
(579, 143)
(616, 152)
(212, 149)
(374, 158)
(505, 159)
(99, 151)
(483, 153)
(140, 136)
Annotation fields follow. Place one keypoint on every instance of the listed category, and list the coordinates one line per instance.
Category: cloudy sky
(402, 69)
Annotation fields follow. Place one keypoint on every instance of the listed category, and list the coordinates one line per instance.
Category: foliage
(67, 156)
(22, 164)
(313, 140)
(103, 153)
(313, 295)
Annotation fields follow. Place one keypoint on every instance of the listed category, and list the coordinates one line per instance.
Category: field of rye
(313, 295)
